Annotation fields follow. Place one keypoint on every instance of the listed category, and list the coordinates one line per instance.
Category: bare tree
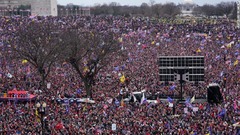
(209, 10)
(225, 8)
(170, 10)
(197, 11)
(145, 9)
(38, 43)
(152, 2)
(156, 9)
(88, 52)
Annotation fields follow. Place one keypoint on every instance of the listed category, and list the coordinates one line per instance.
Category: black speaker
(214, 95)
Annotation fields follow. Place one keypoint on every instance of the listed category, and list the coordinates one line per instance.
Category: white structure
(188, 1)
(238, 13)
(187, 8)
(38, 7)
(10, 4)
(8, 7)
(44, 7)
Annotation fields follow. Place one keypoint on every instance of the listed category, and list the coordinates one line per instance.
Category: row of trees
(43, 44)
(169, 9)
(228, 9)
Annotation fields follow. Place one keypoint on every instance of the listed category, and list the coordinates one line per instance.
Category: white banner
(114, 127)
(48, 85)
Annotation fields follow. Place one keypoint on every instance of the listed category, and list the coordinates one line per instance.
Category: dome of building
(188, 1)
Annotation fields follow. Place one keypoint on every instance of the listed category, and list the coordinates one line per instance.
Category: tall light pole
(238, 13)
(41, 107)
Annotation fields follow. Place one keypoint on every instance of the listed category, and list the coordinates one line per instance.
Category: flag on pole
(36, 113)
(120, 39)
(9, 75)
(192, 99)
(170, 99)
(172, 87)
(222, 73)
(188, 104)
(122, 79)
(86, 69)
(24, 61)
(79, 91)
(122, 103)
(153, 42)
(235, 63)
(59, 126)
(230, 44)
(37, 116)
(198, 50)
(105, 107)
(116, 102)
(222, 113)
(110, 100)
(235, 105)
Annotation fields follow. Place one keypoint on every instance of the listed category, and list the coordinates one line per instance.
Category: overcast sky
(135, 2)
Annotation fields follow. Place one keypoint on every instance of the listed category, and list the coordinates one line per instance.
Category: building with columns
(74, 11)
(187, 8)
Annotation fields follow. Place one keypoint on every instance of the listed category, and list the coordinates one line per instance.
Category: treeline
(228, 9)
(168, 9)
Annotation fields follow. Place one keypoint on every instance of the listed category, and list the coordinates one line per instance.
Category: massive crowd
(143, 39)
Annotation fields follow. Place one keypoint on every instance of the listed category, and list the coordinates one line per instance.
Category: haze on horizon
(138, 2)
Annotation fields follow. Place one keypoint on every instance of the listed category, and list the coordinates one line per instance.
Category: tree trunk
(43, 76)
(43, 80)
(88, 88)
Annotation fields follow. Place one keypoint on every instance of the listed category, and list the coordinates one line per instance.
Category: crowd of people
(143, 39)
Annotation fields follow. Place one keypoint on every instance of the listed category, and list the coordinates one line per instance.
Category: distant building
(41, 8)
(38, 7)
(8, 7)
(73, 10)
(187, 8)
(11, 4)
(44, 7)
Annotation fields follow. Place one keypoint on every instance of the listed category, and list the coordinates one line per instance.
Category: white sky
(136, 2)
